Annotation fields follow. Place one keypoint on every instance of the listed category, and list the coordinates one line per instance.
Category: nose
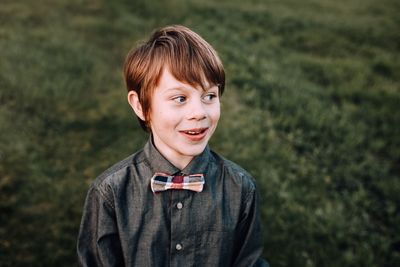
(197, 111)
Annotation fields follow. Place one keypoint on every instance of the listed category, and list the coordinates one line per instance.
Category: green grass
(310, 109)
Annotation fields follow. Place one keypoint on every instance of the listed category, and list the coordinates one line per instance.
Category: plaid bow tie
(161, 182)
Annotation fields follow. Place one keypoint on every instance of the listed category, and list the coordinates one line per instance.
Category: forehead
(168, 80)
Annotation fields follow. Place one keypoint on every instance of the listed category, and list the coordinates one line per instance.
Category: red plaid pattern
(161, 182)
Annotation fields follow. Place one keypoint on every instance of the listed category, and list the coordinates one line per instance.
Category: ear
(134, 102)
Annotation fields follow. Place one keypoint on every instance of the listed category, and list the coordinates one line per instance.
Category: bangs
(189, 58)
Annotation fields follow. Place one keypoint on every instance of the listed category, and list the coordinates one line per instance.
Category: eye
(209, 97)
(179, 99)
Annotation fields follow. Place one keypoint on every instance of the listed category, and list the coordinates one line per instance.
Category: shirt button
(178, 246)
(179, 205)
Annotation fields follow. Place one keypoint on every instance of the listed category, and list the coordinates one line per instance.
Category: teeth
(200, 131)
(193, 132)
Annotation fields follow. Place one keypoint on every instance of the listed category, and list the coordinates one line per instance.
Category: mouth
(195, 134)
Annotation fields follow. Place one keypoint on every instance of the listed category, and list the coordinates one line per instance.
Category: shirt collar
(158, 163)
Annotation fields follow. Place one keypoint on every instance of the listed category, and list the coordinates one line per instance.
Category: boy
(175, 202)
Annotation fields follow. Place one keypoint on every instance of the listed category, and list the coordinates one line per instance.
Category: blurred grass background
(311, 110)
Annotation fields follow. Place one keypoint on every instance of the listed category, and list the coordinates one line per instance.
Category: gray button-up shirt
(125, 224)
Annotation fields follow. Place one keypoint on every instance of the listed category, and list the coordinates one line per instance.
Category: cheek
(165, 119)
(216, 114)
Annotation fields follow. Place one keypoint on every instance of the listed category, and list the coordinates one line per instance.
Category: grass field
(311, 109)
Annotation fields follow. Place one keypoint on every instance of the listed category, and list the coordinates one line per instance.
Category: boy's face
(182, 118)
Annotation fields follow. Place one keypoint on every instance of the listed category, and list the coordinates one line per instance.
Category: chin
(195, 150)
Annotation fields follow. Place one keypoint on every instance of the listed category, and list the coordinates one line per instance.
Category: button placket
(177, 229)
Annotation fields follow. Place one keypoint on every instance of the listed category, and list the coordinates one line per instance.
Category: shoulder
(235, 174)
(117, 175)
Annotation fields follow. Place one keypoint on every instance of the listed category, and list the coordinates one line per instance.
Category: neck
(179, 161)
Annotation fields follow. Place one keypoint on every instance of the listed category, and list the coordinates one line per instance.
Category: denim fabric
(125, 224)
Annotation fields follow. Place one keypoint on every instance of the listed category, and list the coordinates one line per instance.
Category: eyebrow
(180, 88)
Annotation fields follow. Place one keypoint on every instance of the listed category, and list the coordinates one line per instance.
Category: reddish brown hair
(189, 58)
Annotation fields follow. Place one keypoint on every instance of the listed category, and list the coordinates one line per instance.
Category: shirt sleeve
(98, 240)
(249, 238)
